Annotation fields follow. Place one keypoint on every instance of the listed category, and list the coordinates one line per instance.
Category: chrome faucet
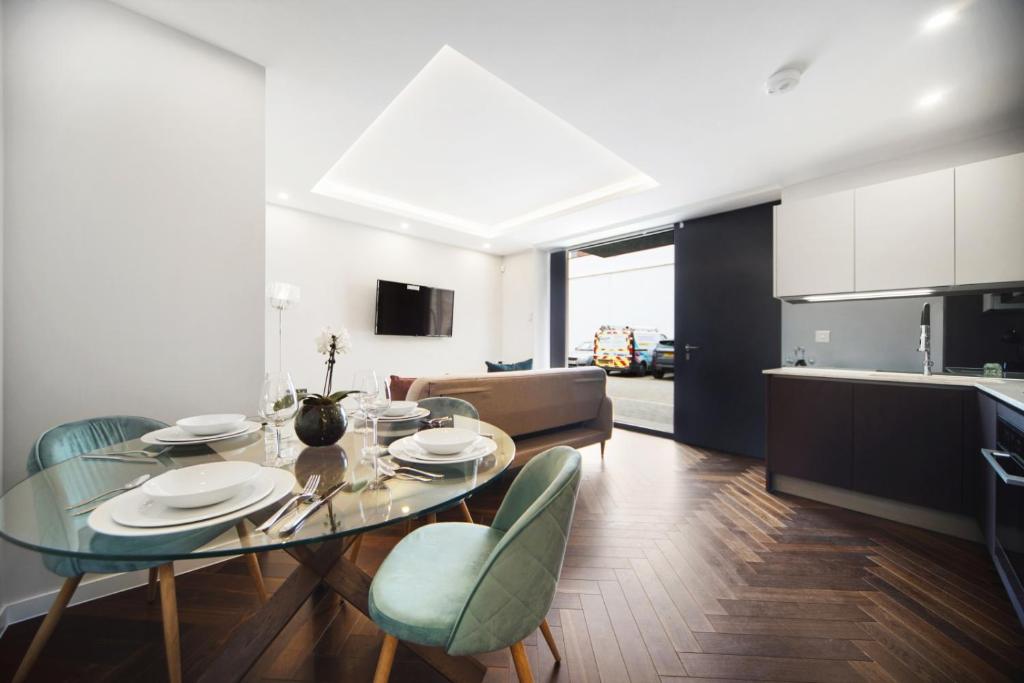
(925, 344)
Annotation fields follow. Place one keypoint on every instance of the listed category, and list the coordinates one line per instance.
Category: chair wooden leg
(432, 518)
(47, 628)
(253, 563)
(546, 632)
(464, 509)
(169, 609)
(152, 590)
(357, 545)
(522, 663)
(602, 449)
(387, 658)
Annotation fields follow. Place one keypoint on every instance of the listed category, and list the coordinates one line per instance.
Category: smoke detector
(782, 81)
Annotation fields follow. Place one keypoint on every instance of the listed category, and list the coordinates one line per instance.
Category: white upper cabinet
(904, 235)
(990, 221)
(814, 245)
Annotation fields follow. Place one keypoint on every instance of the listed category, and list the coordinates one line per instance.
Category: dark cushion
(509, 367)
(400, 387)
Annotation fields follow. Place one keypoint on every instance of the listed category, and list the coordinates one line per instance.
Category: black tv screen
(414, 310)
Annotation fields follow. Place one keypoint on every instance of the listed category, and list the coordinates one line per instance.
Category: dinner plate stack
(201, 429)
(411, 450)
(192, 498)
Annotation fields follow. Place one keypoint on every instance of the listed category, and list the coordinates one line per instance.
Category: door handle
(689, 347)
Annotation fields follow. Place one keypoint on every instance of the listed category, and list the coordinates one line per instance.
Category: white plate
(212, 425)
(407, 450)
(136, 509)
(101, 521)
(201, 485)
(417, 414)
(178, 436)
(400, 409)
(446, 440)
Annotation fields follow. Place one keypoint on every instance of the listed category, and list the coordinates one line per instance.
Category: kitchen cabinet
(810, 430)
(904, 233)
(814, 245)
(990, 221)
(909, 443)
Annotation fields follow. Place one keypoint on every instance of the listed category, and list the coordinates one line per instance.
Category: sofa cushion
(509, 367)
(400, 387)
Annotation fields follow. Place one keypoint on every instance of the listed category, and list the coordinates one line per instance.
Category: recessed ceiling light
(283, 196)
(941, 19)
(405, 226)
(931, 99)
(487, 245)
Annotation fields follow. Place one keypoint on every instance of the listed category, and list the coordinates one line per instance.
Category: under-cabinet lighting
(887, 294)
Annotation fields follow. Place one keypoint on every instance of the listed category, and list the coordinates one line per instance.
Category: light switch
(823, 336)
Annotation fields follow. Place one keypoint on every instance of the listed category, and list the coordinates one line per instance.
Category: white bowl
(445, 440)
(400, 408)
(211, 425)
(199, 485)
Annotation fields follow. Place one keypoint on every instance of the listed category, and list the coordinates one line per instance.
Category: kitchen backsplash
(876, 335)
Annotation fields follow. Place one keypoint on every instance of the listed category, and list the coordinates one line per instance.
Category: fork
(307, 493)
(413, 470)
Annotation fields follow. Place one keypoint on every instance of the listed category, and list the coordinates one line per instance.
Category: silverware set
(133, 484)
(135, 456)
(307, 494)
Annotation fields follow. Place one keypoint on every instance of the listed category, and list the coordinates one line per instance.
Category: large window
(621, 317)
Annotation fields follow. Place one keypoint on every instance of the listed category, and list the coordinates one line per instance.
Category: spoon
(134, 483)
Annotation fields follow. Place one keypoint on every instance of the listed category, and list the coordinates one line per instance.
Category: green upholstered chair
(448, 406)
(68, 441)
(471, 589)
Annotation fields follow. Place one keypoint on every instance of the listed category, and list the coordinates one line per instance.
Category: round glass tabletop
(33, 513)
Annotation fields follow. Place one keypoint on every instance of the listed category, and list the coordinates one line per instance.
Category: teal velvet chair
(449, 406)
(68, 441)
(471, 589)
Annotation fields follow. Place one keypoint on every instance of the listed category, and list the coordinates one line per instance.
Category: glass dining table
(34, 514)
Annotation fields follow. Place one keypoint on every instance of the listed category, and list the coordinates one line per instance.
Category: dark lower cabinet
(809, 430)
(908, 443)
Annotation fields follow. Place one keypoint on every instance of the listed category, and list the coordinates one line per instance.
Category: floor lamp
(282, 295)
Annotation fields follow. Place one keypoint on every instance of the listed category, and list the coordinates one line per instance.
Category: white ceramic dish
(135, 508)
(212, 425)
(101, 522)
(445, 440)
(407, 450)
(178, 436)
(200, 485)
(417, 414)
(401, 409)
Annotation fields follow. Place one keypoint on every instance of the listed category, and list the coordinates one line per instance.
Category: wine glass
(278, 404)
(374, 398)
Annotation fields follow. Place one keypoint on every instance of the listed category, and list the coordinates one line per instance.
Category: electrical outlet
(823, 336)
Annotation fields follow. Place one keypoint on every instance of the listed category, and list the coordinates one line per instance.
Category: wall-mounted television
(414, 310)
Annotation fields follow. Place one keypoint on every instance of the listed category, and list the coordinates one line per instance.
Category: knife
(293, 526)
(121, 458)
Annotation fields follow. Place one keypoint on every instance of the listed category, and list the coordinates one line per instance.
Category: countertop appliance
(1004, 501)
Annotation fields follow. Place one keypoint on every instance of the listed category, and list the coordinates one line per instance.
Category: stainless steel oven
(1004, 528)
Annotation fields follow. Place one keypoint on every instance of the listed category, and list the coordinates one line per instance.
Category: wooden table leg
(466, 515)
(46, 628)
(169, 612)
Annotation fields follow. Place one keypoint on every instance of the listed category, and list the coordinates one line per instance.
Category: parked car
(664, 358)
(626, 349)
(582, 355)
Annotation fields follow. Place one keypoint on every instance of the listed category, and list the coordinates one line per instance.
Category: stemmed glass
(373, 393)
(278, 404)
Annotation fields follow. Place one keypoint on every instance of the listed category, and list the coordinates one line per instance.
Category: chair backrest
(70, 439)
(448, 406)
(517, 582)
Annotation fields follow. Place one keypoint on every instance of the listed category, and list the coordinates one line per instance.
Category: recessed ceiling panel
(459, 147)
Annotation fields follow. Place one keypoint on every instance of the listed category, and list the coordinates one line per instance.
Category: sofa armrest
(605, 417)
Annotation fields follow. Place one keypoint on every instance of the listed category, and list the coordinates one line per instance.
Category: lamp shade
(283, 294)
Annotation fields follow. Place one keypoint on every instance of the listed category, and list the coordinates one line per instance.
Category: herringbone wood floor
(679, 567)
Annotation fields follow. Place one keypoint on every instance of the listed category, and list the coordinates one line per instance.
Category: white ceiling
(673, 87)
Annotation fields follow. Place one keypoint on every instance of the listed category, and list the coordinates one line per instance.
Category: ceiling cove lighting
(283, 196)
(460, 148)
(852, 296)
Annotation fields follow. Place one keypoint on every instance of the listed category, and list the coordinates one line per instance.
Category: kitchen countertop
(1009, 391)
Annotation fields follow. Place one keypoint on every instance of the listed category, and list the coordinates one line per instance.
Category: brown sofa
(537, 408)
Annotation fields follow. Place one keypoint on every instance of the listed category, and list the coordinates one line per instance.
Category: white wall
(636, 289)
(3, 589)
(337, 265)
(134, 236)
(525, 308)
